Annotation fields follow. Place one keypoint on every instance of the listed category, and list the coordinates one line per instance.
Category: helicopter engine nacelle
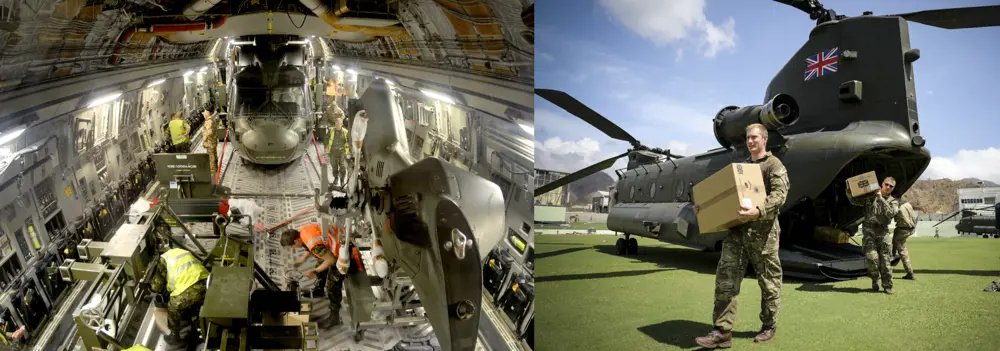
(731, 122)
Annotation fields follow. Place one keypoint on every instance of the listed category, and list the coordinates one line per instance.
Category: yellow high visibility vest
(329, 144)
(177, 128)
(183, 270)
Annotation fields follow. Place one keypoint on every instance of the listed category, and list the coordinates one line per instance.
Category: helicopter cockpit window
(285, 101)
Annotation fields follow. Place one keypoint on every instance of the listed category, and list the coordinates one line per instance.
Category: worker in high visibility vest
(319, 245)
(181, 275)
(10, 338)
(179, 132)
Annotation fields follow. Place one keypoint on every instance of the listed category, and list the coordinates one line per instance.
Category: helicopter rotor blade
(957, 18)
(577, 108)
(594, 168)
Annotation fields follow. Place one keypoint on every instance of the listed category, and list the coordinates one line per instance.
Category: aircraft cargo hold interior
(201, 174)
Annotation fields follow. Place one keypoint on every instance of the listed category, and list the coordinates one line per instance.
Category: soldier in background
(210, 141)
(179, 132)
(906, 223)
(880, 207)
(756, 242)
(339, 147)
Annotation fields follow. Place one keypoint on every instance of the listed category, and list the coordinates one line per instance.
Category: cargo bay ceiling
(46, 40)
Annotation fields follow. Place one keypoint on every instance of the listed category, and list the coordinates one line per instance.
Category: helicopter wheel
(996, 236)
(620, 245)
(632, 247)
(986, 236)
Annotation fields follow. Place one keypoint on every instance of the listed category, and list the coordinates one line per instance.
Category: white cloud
(982, 164)
(930, 92)
(674, 22)
(567, 156)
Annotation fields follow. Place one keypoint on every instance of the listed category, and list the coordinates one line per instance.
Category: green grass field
(583, 226)
(590, 299)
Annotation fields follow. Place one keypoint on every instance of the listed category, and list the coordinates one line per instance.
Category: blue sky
(662, 69)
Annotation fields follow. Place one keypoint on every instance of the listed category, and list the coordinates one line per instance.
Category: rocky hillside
(939, 195)
(579, 191)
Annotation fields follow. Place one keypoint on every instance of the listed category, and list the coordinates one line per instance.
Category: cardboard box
(863, 184)
(721, 196)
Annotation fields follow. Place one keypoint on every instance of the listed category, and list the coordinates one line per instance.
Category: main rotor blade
(956, 213)
(957, 18)
(585, 113)
(594, 168)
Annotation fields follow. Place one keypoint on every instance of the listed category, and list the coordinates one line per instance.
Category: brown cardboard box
(863, 184)
(721, 195)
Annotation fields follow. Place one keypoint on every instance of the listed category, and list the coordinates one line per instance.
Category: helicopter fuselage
(842, 131)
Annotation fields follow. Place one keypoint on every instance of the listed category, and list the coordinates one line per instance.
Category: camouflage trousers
(183, 308)
(757, 247)
(213, 158)
(338, 160)
(899, 237)
(334, 284)
(878, 253)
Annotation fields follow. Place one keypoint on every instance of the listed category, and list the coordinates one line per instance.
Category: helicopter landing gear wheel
(986, 236)
(620, 245)
(632, 246)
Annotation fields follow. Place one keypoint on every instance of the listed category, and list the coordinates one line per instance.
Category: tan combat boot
(715, 339)
(766, 333)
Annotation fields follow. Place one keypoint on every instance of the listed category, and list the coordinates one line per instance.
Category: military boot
(875, 286)
(332, 321)
(766, 333)
(715, 339)
(909, 276)
(888, 291)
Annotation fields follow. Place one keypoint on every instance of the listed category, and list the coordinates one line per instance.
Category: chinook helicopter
(822, 125)
(974, 222)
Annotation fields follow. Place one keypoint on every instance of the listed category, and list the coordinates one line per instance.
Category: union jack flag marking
(821, 63)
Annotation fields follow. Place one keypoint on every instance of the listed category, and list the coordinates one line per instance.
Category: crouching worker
(181, 275)
(328, 277)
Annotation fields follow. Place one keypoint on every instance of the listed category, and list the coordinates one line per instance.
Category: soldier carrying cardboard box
(879, 207)
(756, 241)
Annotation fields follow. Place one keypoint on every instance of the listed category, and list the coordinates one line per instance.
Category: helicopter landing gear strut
(626, 246)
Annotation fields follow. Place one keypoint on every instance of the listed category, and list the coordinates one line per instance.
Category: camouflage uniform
(755, 242)
(210, 142)
(181, 308)
(906, 221)
(339, 147)
(333, 281)
(875, 228)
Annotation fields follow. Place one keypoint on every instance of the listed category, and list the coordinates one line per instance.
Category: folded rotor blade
(578, 175)
(960, 211)
(957, 18)
(585, 113)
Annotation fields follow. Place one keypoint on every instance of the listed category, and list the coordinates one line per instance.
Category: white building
(970, 198)
(599, 201)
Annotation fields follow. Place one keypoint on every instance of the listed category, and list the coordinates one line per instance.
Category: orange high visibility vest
(312, 235)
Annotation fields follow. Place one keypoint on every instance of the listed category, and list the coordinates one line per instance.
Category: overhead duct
(161, 29)
(198, 8)
(331, 16)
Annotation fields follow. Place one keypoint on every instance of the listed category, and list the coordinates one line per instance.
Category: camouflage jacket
(905, 216)
(776, 185)
(878, 210)
(208, 131)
